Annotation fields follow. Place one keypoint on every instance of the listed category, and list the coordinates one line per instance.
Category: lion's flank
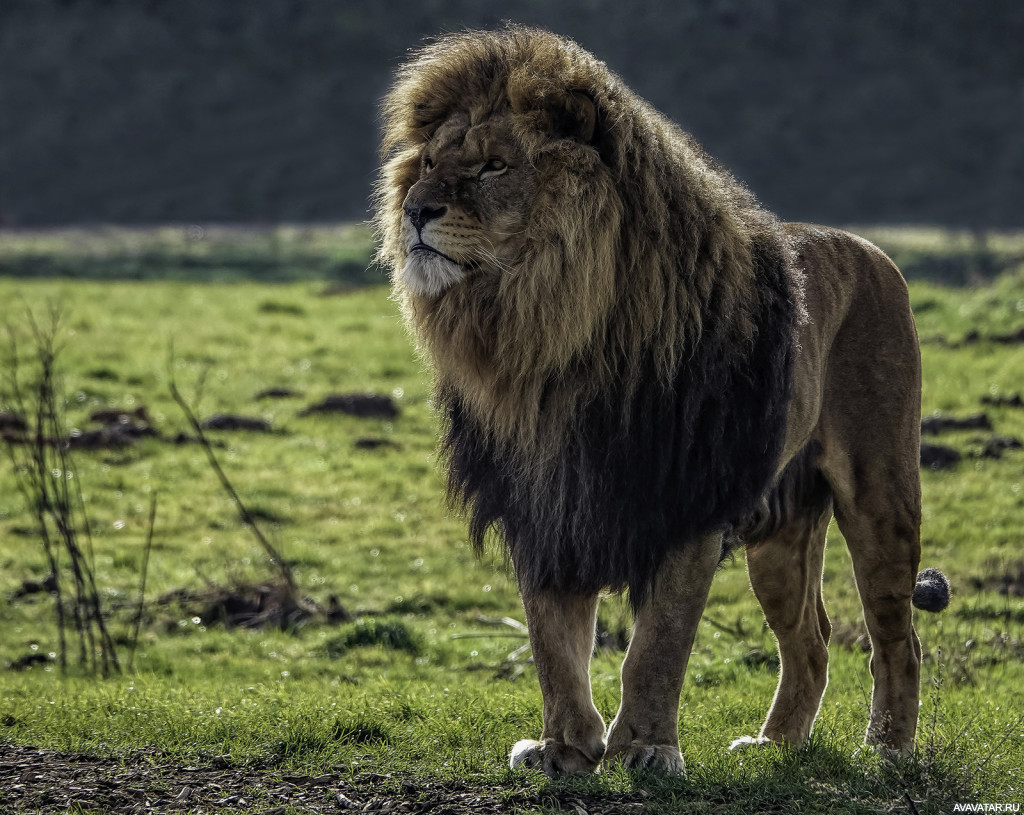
(622, 387)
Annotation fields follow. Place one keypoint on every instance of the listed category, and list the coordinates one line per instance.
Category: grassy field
(417, 682)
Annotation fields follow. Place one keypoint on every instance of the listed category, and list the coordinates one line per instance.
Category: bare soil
(44, 781)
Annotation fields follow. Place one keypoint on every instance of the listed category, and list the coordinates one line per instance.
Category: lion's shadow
(814, 778)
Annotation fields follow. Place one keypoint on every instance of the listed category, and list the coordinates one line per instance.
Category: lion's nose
(419, 216)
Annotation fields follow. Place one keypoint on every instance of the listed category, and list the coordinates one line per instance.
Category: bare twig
(733, 630)
(46, 471)
(511, 622)
(279, 563)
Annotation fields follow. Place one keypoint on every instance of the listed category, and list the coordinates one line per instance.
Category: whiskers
(508, 234)
(489, 255)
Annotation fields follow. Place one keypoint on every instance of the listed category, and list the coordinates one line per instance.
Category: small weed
(360, 732)
(392, 635)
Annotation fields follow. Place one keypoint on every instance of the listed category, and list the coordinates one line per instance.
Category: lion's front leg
(562, 631)
(645, 733)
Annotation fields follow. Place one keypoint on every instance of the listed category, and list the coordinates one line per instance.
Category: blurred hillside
(841, 111)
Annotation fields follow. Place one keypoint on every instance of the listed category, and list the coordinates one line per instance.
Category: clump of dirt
(231, 421)
(119, 428)
(29, 586)
(111, 436)
(363, 405)
(277, 393)
(1007, 580)
(939, 457)
(376, 444)
(933, 425)
(257, 605)
(11, 422)
(30, 661)
(1002, 400)
(997, 445)
(1015, 337)
(115, 415)
(184, 438)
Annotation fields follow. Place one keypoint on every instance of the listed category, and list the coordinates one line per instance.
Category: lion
(639, 369)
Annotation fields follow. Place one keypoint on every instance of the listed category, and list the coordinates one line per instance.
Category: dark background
(840, 111)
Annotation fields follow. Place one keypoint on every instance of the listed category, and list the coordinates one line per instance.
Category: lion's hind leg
(885, 549)
(785, 565)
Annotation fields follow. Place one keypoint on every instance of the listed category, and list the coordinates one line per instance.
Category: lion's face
(468, 210)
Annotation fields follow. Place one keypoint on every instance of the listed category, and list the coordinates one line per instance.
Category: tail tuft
(932, 590)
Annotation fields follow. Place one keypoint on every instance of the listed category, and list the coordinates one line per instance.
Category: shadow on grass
(818, 778)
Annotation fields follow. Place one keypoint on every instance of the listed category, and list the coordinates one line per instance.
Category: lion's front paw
(659, 758)
(550, 757)
(743, 742)
(887, 751)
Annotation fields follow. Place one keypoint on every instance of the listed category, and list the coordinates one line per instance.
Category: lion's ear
(574, 116)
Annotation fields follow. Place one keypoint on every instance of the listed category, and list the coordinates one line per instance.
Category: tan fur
(503, 318)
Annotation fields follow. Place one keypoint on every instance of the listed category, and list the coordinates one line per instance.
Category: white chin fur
(428, 274)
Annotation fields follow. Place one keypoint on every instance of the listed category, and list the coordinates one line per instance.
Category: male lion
(637, 368)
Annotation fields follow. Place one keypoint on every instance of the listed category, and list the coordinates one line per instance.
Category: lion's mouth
(422, 247)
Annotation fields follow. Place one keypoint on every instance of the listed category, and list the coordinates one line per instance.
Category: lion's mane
(622, 389)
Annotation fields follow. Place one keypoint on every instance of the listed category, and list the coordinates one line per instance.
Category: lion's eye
(427, 165)
(494, 166)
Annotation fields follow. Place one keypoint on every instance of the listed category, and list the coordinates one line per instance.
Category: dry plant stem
(33, 490)
(284, 570)
(47, 471)
(88, 612)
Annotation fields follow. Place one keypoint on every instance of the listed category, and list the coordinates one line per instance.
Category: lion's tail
(932, 590)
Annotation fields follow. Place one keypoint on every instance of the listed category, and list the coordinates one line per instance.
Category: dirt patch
(376, 444)
(146, 783)
(939, 457)
(111, 437)
(933, 425)
(997, 445)
(1007, 580)
(231, 421)
(1015, 337)
(11, 422)
(121, 427)
(277, 393)
(28, 586)
(260, 605)
(363, 405)
(1002, 400)
(116, 415)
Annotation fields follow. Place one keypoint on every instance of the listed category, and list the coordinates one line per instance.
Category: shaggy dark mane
(624, 388)
(642, 469)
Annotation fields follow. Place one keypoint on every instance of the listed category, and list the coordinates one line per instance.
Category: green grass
(416, 685)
